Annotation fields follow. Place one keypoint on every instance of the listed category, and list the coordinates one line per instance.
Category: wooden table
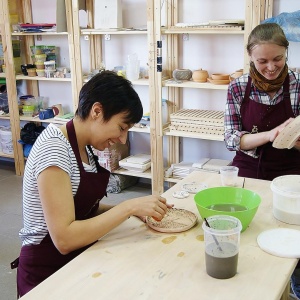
(135, 262)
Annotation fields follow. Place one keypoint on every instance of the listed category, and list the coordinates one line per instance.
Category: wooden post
(11, 86)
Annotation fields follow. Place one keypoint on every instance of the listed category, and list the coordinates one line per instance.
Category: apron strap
(14, 264)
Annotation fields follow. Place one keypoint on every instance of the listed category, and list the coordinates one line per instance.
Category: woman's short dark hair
(114, 93)
(267, 33)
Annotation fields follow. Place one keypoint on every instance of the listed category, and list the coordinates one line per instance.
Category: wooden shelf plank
(141, 81)
(202, 31)
(6, 155)
(49, 33)
(142, 130)
(23, 77)
(105, 31)
(37, 119)
(210, 137)
(195, 85)
(146, 174)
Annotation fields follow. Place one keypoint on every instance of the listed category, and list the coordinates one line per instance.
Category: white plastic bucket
(286, 198)
(6, 140)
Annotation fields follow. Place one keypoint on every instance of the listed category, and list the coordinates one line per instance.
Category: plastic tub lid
(50, 62)
(287, 185)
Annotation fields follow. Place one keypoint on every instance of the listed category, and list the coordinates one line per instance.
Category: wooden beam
(5, 29)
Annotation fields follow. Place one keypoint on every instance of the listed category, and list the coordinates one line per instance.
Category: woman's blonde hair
(267, 33)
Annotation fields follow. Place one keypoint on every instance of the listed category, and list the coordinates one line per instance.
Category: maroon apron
(271, 162)
(37, 262)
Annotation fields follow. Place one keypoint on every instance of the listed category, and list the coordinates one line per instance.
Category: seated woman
(64, 183)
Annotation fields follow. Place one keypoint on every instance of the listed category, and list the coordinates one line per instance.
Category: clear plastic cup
(229, 175)
(133, 70)
(222, 240)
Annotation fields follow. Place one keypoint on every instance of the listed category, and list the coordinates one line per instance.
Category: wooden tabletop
(136, 262)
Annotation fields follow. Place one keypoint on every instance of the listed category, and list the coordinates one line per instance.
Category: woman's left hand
(297, 144)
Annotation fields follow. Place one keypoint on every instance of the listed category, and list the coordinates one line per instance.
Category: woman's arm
(69, 234)
(250, 141)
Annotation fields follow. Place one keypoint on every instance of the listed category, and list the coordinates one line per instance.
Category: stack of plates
(182, 169)
(137, 163)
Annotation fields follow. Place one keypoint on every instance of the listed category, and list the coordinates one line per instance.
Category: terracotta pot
(236, 74)
(182, 74)
(200, 75)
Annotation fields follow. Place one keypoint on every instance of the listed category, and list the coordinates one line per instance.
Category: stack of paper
(137, 163)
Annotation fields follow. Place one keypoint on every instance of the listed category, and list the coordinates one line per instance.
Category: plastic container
(36, 50)
(6, 140)
(31, 72)
(49, 73)
(40, 58)
(40, 72)
(222, 240)
(28, 110)
(286, 198)
(23, 99)
(40, 65)
(49, 65)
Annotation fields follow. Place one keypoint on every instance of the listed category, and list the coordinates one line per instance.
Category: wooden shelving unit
(97, 38)
(32, 83)
(255, 11)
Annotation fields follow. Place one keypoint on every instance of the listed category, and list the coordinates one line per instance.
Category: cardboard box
(110, 157)
(108, 14)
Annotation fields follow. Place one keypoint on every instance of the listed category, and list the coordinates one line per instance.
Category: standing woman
(260, 104)
(64, 183)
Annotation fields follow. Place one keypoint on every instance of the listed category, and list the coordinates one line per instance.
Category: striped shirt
(235, 96)
(50, 149)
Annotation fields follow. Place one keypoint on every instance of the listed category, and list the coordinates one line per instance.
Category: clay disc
(288, 136)
(175, 220)
(282, 242)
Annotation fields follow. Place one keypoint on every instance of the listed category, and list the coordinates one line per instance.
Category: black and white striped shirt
(50, 149)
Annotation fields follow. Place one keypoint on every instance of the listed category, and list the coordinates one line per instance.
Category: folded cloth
(295, 282)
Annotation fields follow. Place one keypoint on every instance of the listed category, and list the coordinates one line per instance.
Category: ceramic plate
(194, 187)
(175, 220)
(282, 242)
(288, 136)
(218, 81)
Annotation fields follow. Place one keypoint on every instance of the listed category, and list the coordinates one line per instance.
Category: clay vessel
(182, 74)
(236, 74)
(200, 75)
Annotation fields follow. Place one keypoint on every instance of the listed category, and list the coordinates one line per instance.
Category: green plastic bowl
(233, 201)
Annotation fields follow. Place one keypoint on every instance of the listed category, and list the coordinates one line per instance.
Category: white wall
(217, 53)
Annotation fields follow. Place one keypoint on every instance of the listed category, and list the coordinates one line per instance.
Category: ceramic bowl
(220, 76)
(233, 201)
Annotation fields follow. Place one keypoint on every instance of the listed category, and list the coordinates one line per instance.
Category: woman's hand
(297, 144)
(154, 206)
(274, 132)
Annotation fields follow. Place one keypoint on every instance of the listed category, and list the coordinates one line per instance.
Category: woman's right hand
(274, 132)
(154, 206)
